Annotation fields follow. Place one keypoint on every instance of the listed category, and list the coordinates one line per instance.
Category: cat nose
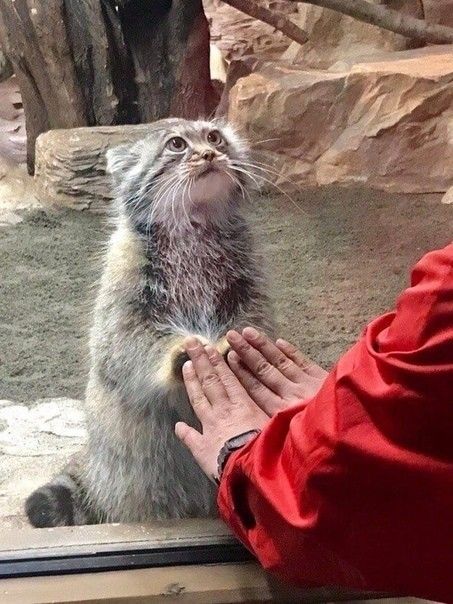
(208, 155)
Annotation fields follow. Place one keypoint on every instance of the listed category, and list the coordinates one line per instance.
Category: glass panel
(172, 169)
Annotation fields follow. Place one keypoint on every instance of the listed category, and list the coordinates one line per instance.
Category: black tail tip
(50, 505)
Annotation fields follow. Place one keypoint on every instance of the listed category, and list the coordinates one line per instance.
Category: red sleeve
(356, 488)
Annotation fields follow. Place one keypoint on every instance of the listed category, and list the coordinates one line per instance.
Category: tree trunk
(37, 46)
(103, 62)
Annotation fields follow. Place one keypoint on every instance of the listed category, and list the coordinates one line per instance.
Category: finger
(259, 366)
(208, 378)
(189, 436)
(232, 385)
(267, 400)
(272, 353)
(197, 399)
(193, 440)
(300, 360)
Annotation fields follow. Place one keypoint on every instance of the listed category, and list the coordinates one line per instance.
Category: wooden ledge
(195, 561)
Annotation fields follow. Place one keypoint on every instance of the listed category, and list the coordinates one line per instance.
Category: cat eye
(215, 138)
(176, 144)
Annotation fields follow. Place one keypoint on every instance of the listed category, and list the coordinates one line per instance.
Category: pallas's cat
(180, 262)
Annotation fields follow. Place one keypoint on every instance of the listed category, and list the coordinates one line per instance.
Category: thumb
(189, 436)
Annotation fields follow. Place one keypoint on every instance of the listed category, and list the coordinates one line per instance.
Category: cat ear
(119, 160)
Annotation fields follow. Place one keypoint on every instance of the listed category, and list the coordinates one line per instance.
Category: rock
(35, 442)
(385, 123)
(438, 11)
(237, 34)
(17, 192)
(448, 197)
(334, 37)
(13, 138)
(9, 218)
(16, 186)
(70, 165)
(237, 69)
(218, 65)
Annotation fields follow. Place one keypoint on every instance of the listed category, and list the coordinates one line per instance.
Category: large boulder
(385, 122)
(334, 37)
(70, 165)
(237, 34)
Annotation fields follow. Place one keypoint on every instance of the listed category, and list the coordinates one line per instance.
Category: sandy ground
(336, 260)
(337, 257)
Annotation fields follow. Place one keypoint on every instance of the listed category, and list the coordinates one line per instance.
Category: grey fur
(179, 263)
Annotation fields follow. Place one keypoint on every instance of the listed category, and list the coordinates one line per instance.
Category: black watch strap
(231, 445)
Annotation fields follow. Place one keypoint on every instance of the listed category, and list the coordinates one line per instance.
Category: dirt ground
(336, 260)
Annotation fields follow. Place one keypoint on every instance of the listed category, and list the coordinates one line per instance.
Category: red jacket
(355, 488)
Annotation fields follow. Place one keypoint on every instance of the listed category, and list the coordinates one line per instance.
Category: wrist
(231, 445)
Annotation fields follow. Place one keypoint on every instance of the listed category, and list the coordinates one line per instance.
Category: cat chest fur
(197, 280)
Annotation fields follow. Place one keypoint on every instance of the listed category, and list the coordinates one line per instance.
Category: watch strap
(231, 445)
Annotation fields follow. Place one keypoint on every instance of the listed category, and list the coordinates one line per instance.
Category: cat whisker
(243, 168)
(265, 168)
(164, 189)
(272, 168)
(236, 181)
(265, 140)
(184, 209)
(248, 173)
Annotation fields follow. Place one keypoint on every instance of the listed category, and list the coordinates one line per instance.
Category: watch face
(241, 439)
(235, 442)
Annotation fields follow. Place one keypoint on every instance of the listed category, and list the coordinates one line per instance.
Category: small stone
(9, 218)
(448, 197)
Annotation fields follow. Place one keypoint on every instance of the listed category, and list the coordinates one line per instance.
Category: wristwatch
(231, 445)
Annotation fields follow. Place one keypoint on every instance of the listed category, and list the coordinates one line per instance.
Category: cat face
(184, 171)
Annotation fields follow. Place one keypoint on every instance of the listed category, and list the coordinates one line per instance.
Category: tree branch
(390, 19)
(279, 22)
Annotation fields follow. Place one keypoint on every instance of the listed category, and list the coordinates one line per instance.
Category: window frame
(195, 560)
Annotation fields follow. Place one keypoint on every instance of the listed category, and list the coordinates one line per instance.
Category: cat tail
(60, 502)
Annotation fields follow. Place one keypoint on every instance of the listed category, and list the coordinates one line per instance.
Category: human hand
(275, 376)
(220, 402)
(178, 356)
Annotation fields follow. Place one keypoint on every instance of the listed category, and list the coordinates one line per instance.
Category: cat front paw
(223, 347)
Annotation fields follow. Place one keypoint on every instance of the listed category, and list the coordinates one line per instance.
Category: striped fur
(180, 262)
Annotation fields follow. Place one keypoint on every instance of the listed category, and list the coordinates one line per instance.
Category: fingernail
(251, 333)
(233, 336)
(285, 344)
(187, 367)
(233, 356)
(191, 344)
